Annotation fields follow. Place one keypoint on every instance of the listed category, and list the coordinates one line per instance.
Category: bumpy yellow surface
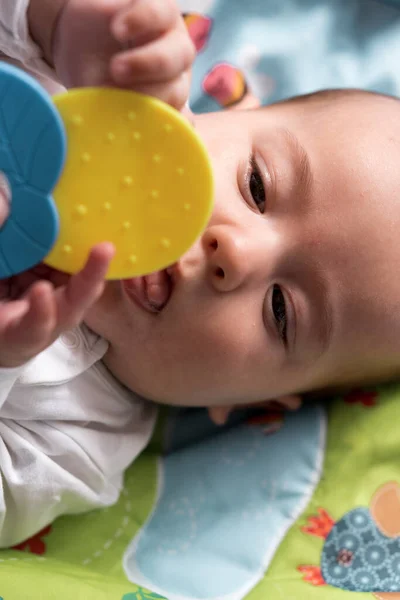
(136, 175)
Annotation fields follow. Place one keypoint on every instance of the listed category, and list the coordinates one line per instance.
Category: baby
(292, 287)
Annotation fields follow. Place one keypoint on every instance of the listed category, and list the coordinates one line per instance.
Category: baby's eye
(279, 311)
(256, 187)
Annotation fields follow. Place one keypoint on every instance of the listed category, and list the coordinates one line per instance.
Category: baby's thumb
(5, 199)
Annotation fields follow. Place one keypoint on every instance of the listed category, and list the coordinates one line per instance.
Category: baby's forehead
(332, 98)
(344, 110)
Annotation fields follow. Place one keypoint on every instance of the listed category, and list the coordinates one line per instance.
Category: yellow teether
(136, 175)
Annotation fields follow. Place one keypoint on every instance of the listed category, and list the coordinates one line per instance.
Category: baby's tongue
(157, 288)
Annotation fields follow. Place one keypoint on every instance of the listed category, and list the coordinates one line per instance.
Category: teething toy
(120, 167)
(32, 153)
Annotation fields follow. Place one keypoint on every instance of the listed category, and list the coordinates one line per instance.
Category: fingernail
(121, 31)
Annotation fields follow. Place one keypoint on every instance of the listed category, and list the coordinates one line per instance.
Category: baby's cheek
(226, 338)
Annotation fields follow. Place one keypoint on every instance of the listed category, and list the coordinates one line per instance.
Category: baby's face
(295, 284)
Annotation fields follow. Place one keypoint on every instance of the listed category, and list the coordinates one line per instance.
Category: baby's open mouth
(151, 292)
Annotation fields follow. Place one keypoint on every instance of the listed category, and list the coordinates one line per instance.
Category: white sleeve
(8, 377)
(15, 39)
(66, 438)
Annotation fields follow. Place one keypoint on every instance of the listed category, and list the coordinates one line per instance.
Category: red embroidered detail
(320, 525)
(35, 544)
(345, 557)
(267, 418)
(199, 28)
(312, 575)
(226, 84)
(366, 397)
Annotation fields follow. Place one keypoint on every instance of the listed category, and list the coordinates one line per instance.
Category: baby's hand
(36, 306)
(142, 45)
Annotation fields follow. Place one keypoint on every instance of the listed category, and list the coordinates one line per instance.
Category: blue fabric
(289, 47)
(371, 559)
(227, 498)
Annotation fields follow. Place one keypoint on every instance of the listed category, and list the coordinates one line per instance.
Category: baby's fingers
(143, 21)
(175, 93)
(84, 288)
(219, 414)
(158, 62)
(27, 325)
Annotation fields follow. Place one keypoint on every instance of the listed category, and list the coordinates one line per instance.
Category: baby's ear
(385, 509)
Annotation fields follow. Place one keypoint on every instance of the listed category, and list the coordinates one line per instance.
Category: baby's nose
(228, 263)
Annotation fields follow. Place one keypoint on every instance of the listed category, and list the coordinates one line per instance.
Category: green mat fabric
(81, 556)
(363, 453)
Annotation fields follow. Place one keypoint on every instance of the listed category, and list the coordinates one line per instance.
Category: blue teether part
(32, 154)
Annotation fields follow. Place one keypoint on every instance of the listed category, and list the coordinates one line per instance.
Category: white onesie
(68, 429)
(15, 40)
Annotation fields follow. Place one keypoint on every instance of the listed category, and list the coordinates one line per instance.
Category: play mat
(297, 506)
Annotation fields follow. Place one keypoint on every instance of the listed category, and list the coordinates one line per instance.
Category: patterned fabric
(266, 50)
